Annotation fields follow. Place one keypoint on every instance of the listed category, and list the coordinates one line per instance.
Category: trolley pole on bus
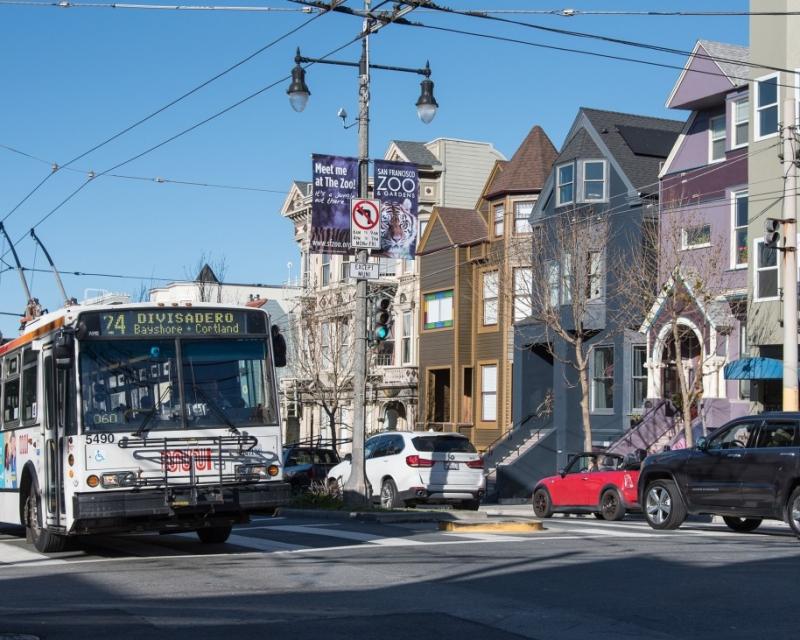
(355, 489)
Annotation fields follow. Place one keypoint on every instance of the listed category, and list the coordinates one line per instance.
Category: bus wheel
(44, 541)
(214, 535)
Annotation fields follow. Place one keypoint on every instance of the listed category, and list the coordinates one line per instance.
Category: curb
(493, 527)
(412, 515)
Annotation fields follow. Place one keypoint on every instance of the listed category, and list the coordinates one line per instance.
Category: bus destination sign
(149, 323)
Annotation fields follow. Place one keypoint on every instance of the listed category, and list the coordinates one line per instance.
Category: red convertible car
(599, 483)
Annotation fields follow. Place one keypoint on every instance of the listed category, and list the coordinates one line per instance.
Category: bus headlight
(257, 471)
(119, 479)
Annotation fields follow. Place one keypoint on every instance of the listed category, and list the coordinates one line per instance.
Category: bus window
(226, 383)
(29, 406)
(10, 401)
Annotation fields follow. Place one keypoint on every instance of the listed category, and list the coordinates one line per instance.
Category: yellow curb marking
(489, 527)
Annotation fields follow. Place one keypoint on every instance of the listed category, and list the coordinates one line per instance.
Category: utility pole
(789, 256)
(355, 489)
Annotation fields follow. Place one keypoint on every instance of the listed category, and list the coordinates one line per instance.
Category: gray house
(606, 173)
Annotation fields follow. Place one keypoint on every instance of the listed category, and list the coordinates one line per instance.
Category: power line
(428, 4)
(155, 113)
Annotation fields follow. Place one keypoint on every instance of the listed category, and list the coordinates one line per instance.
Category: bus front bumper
(93, 510)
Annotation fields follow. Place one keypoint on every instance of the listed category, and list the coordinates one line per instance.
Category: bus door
(53, 493)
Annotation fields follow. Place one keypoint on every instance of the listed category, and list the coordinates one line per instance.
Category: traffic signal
(772, 233)
(381, 317)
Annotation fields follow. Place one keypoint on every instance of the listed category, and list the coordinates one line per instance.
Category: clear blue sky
(73, 77)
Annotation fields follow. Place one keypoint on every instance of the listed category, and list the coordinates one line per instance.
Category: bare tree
(208, 275)
(564, 289)
(323, 358)
(677, 281)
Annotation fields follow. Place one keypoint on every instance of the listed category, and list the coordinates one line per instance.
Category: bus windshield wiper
(149, 417)
(220, 413)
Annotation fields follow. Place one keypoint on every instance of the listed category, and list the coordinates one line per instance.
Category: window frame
(488, 300)
(735, 196)
(735, 142)
(517, 296)
(499, 223)
(685, 246)
(566, 269)
(584, 180)
(598, 278)
(759, 109)
(325, 269)
(638, 377)
(712, 139)
(559, 184)
(594, 379)
(484, 393)
(757, 270)
(406, 343)
(553, 269)
(443, 325)
(526, 220)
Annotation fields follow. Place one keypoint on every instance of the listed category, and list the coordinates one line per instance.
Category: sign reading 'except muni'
(397, 187)
(191, 322)
(335, 185)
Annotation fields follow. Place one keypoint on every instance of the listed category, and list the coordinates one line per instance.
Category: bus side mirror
(63, 349)
(278, 347)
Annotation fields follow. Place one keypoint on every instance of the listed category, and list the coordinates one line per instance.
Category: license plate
(451, 466)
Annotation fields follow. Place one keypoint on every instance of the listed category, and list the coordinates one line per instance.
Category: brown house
(474, 284)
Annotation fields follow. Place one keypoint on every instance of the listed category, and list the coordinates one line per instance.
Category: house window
(345, 274)
(489, 393)
(741, 122)
(522, 293)
(552, 281)
(766, 272)
(326, 269)
(499, 219)
(594, 275)
(405, 345)
(490, 283)
(739, 234)
(325, 344)
(566, 278)
(602, 378)
(439, 310)
(716, 129)
(744, 385)
(594, 180)
(639, 377)
(767, 111)
(565, 184)
(522, 216)
(697, 236)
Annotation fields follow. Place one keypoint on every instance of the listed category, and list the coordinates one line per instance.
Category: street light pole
(789, 259)
(355, 489)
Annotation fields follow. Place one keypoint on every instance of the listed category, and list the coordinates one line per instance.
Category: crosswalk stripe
(348, 535)
(12, 553)
(263, 544)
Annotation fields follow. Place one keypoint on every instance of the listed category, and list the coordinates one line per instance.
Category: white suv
(411, 467)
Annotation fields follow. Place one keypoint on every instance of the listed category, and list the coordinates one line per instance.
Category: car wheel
(470, 505)
(599, 516)
(742, 525)
(542, 505)
(214, 535)
(663, 505)
(611, 507)
(793, 511)
(389, 499)
(43, 541)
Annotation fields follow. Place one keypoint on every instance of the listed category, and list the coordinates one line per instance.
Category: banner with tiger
(335, 183)
(397, 188)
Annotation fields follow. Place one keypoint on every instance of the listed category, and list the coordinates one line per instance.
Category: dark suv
(747, 470)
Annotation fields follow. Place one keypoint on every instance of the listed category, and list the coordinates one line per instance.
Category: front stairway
(658, 427)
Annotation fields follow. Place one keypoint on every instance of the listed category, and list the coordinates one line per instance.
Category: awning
(754, 369)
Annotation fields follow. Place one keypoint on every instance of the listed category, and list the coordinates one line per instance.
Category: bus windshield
(132, 385)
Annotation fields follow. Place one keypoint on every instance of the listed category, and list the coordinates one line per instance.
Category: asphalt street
(313, 579)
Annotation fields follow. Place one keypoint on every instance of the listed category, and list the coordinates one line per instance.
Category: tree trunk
(583, 376)
(686, 396)
(332, 423)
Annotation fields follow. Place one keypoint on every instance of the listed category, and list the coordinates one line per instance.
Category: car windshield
(587, 463)
(443, 444)
(131, 385)
(311, 456)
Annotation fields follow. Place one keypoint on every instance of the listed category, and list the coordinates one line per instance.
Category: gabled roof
(640, 167)
(463, 227)
(528, 168)
(711, 70)
(416, 152)
(207, 275)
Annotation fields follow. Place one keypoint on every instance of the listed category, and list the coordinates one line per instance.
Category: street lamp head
(426, 105)
(298, 90)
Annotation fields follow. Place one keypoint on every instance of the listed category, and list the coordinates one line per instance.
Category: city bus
(139, 417)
